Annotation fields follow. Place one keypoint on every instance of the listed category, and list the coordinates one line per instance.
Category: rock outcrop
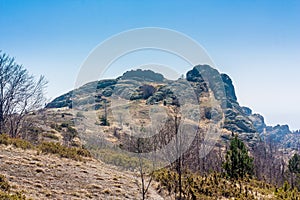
(152, 87)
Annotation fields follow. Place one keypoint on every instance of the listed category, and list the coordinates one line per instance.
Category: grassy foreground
(45, 147)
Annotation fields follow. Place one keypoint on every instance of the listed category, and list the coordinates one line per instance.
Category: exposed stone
(258, 122)
(204, 82)
(61, 101)
(107, 92)
(105, 83)
(194, 75)
(142, 75)
(247, 111)
(237, 123)
(229, 88)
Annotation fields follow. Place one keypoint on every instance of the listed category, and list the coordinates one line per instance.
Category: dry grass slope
(40, 176)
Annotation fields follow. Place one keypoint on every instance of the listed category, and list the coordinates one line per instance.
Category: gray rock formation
(155, 89)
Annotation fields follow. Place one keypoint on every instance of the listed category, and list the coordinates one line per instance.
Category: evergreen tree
(103, 119)
(294, 164)
(294, 168)
(238, 163)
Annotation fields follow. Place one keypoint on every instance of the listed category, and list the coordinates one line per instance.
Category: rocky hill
(151, 88)
(103, 118)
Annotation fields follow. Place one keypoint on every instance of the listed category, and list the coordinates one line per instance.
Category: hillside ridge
(239, 119)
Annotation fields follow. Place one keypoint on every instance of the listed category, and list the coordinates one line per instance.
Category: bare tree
(142, 168)
(141, 146)
(178, 146)
(20, 93)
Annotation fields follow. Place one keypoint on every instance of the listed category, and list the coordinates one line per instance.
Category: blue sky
(256, 42)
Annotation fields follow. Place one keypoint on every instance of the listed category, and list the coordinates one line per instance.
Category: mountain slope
(139, 86)
(50, 177)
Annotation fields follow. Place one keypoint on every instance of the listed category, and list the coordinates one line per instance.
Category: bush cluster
(5, 193)
(286, 192)
(212, 186)
(47, 147)
(63, 151)
(17, 142)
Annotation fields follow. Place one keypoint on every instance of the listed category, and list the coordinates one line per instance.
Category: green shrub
(7, 196)
(4, 139)
(4, 186)
(83, 152)
(4, 191)
(23, 144)
(47, 147)
(212, 186)
(63, 151)
(17, 142)
(286, 192)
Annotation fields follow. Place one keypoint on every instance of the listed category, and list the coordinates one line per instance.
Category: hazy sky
(256, 42)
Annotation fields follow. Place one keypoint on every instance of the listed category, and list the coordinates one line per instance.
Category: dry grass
(42, 176)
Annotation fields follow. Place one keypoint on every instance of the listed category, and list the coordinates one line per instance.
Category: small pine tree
(104, 121)
(294, 164)
(294, 168)
(238, 163)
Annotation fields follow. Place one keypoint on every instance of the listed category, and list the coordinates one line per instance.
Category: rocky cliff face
(229, 88)
(236, 120)
(279, 134)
